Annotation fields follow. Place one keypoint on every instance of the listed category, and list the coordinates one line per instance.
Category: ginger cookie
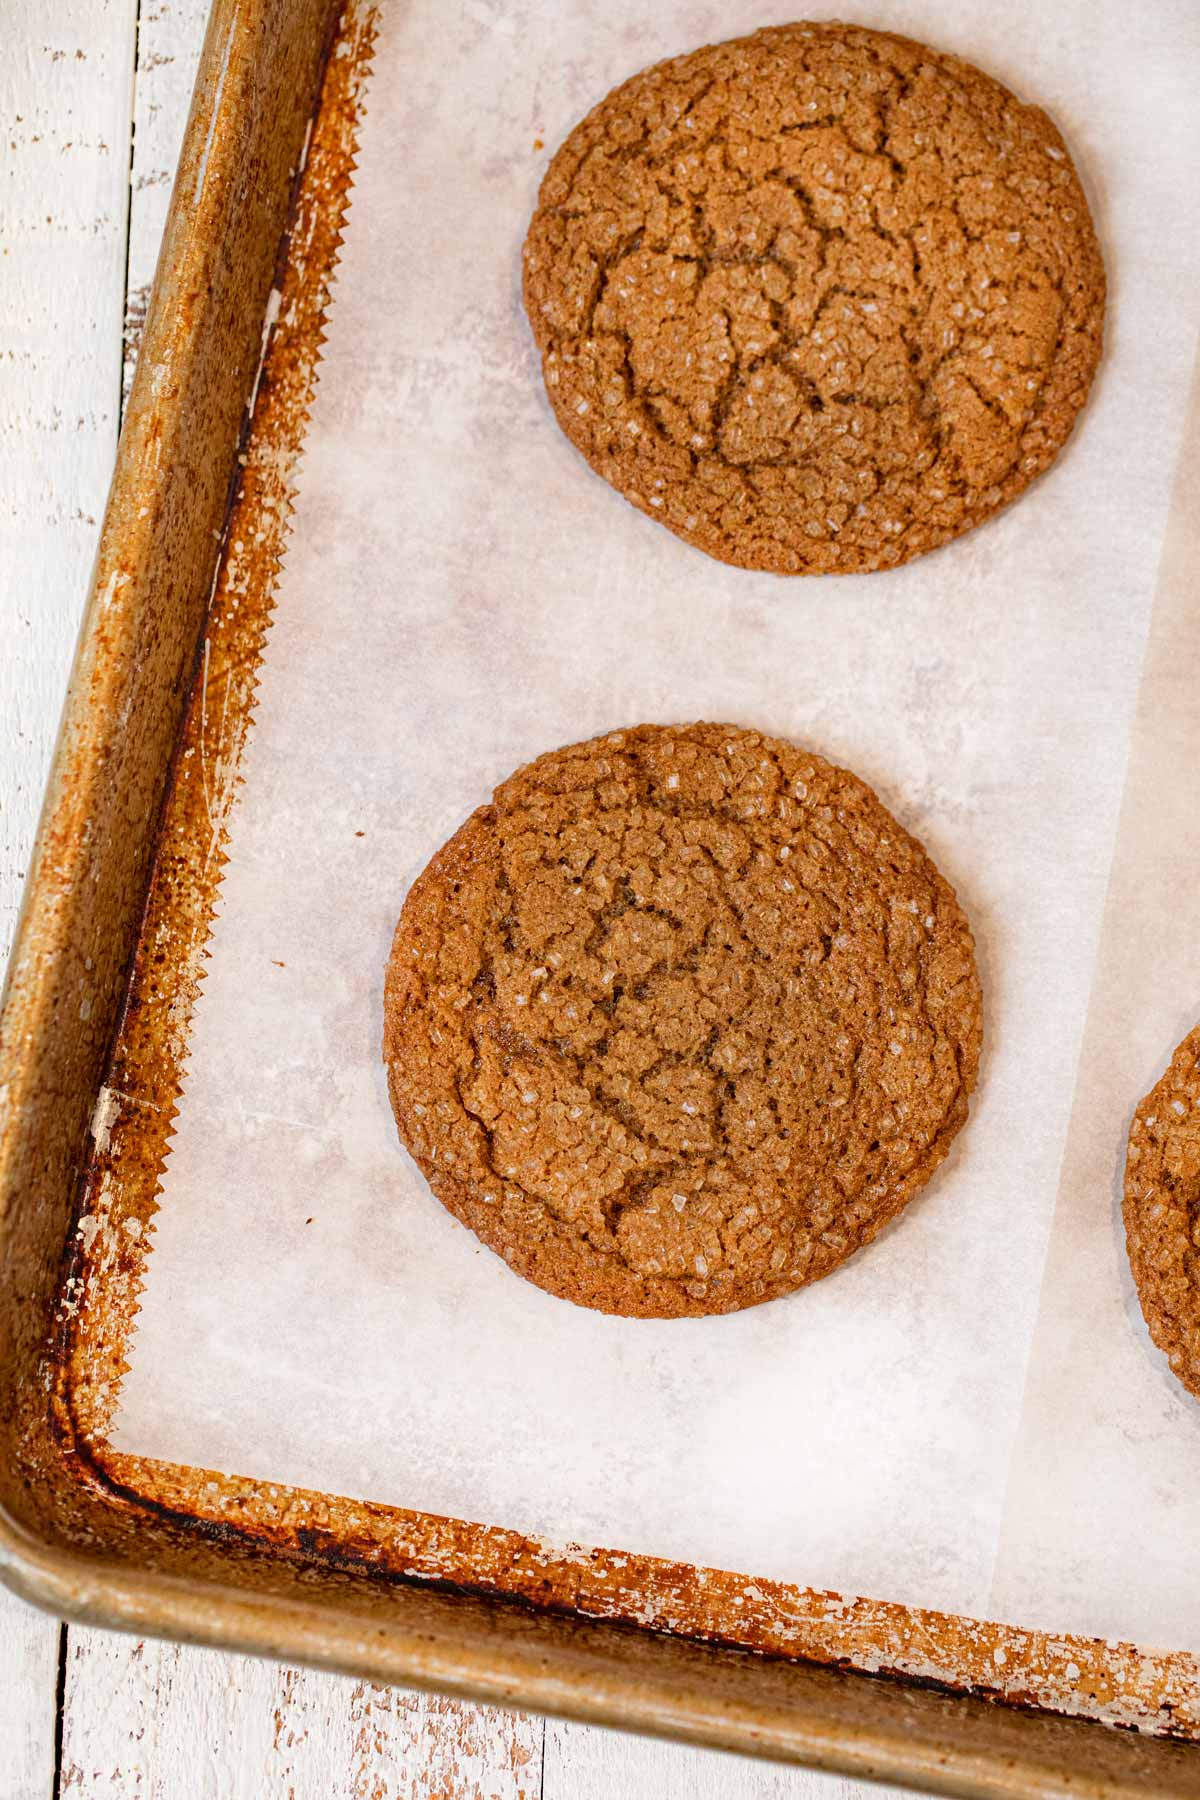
(1162, 1211)
(818, 300)
(680, 1020)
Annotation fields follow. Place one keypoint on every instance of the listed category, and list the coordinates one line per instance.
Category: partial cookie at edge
(1162, 1211)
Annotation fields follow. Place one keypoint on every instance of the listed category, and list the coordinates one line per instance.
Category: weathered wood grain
(28, 1675)
(66, 75)
(414, 1746)
(166, 1722)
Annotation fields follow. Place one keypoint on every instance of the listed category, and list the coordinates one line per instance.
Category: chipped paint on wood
(413, 1746)
(64, 97)
(168, 1721)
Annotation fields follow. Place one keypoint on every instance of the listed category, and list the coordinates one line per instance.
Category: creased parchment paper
(969, 1415)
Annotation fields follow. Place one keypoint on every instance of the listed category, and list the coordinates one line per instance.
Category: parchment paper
(969, 1415)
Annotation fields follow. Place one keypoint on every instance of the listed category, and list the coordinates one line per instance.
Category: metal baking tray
(101, 986)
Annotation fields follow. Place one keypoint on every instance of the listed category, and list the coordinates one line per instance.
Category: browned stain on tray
(133, 1126)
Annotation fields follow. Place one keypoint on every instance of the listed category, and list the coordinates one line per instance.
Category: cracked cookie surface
(1162, 1211)
(819, 299)
(680, 1020)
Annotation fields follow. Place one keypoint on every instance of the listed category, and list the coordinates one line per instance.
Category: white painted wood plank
(28, 1674)
(167, 1722)
(65, 91)
(65, 82)
(169, 36)
(583, 1763)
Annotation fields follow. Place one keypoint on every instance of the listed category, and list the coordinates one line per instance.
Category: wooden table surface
(93, 98)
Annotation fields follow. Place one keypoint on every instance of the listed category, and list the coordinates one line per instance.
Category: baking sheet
(459, 594)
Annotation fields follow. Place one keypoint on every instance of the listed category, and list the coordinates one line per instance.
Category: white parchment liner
(969, 1415)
